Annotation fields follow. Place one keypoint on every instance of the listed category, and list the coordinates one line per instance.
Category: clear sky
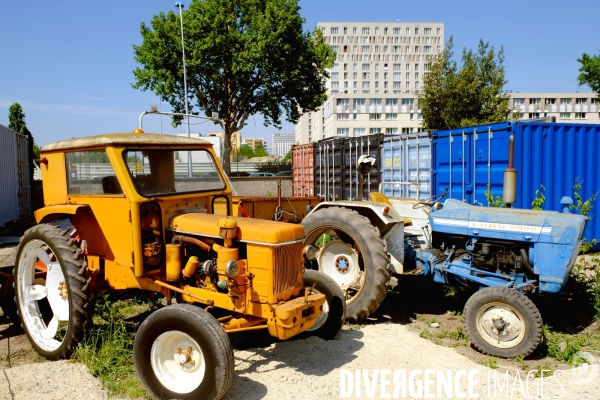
(69, 63)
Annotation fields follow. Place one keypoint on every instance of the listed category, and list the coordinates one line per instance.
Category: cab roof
(123, 139)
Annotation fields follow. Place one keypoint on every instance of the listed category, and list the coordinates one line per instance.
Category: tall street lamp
(180, 6)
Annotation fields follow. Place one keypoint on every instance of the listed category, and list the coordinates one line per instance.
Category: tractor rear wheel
(52, 293)
(353, 254)
(503, 322)
(182, 352)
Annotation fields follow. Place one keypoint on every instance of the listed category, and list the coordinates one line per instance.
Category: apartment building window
(377, 31)
(343, 116)
(416, 74)
(374, 102)
(565, 115)
(355, 75)
(534, 115)
(354, 31)
(550, 101)
(439, 31)
(408, 102)
(354, 49)
(396, 67)
(359, 131)
(408, 67)
(343, 131)
(358, 102)
(345, 31)
(427, 31)
(565, 101)
(535, 101)
(407, 49)
(408, 130)
(376, 68)
(408, 75)
(366, 49)
(419, 116)
(391, 131)
(366, 67)
(518, 101)
(426, 66)
(366, 85)
(335, 76)
(385, 49)
(397, 49)
(412, 116)
(581, 100)
(335, 85)
(594, 101)
(336, 67)
(365, 31)
(427, 48)
(391, 117)
(375, 117)
(391, 102)
(397, 75)
(397, 31)
(385, 30)
(366, 75)
(354, 67)
(416, 49)
(408, 31)
(416, 84)
(355, 84)
(580, 115)
(373, 131)
(323, 30)
(342, 102)
(334, 31)
(397, 85)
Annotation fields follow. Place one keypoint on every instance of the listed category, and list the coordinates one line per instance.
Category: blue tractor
(505, 254)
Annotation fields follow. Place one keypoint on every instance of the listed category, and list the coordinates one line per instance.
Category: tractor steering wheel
(430, 202)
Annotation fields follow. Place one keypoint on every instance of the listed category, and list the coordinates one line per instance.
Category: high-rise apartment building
(282, 143)
(379, 71)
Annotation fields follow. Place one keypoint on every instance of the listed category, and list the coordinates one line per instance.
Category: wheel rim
(341, 261)
(321, 319)
(43, 295)
(501, 325)
(178, 361)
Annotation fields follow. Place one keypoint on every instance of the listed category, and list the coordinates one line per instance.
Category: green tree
(16, 122)
(243, 57)
(246, 151)
(455, 97)
(288, 156)
(590, 72)
(260, 151)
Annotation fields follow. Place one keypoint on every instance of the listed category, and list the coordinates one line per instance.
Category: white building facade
(282, 143)
(379, 71)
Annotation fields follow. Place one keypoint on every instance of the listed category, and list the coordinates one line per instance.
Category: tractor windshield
(166, 172)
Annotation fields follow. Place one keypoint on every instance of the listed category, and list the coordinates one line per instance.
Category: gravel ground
(311, 369)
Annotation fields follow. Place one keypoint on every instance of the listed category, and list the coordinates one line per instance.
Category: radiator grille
(288, 268)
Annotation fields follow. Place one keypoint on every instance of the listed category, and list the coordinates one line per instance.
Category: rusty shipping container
(303, 166)
(15, 185)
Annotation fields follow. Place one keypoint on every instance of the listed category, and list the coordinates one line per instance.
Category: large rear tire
(330, 322)
(353, 254)
(503, 322)
(52, 293)
(182, 352)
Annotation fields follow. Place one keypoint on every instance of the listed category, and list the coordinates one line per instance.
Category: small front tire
(182, 352)
(503, 322)
(330, 322)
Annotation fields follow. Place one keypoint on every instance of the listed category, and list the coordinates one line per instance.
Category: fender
(50, 213)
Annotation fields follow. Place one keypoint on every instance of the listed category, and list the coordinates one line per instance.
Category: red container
(303, 179)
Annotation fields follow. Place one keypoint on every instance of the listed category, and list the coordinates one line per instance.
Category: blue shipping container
(552, 155)
(406, 165)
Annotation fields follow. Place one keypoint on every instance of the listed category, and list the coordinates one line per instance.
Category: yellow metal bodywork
(269, 287)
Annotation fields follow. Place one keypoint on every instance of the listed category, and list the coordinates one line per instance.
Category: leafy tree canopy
(243, 57)
(288, 156)
(16, 122)
(245, 151)
(260, 151)
(455, 97)
(590, 72)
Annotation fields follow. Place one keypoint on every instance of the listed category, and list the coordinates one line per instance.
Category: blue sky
(69, 63)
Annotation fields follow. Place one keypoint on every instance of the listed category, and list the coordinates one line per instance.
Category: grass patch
(107, 349)
(491, 362)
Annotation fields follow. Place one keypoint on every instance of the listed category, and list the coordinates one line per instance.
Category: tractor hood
(508, 223)
(250, 230)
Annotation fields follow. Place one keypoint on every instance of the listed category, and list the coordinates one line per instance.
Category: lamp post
(180, 6)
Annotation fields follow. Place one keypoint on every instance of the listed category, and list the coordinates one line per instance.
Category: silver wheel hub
(339, 260)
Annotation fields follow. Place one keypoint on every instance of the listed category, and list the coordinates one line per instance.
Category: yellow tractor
(136, 211)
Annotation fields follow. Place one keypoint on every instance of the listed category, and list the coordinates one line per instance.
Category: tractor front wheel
(503, 322)
(182, 352)
(331, 320)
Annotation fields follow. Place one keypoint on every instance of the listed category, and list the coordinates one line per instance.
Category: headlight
(310, 252)
(232, 269)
